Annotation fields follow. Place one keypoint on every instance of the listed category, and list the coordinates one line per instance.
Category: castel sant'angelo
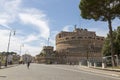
(81, 44)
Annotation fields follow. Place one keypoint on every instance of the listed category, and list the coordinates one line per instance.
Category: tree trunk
(111, 42)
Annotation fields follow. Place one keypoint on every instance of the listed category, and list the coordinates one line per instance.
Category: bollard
(103, 65)
(88, 64)
(95, 64)
(80, 63)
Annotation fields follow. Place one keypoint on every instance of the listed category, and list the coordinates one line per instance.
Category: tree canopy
(100, 9)
(7, 53)
(116, 42)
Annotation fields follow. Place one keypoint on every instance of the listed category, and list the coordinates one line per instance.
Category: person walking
(0, 62)
(28, 60)
(28, 64)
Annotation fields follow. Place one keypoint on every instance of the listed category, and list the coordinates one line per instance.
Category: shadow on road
(3, 76)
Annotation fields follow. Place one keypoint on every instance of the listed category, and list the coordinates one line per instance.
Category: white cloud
(99, 31)
(115, 23)
(31, 49)
(10, 11)
(3, 40)
(10, 5)
(31, 38)
(67, 28)
(38, 20)
(4, 18)
(16, 42)
(53, 38)
(4, 35)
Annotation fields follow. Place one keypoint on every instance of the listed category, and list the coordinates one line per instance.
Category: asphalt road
(50, 72)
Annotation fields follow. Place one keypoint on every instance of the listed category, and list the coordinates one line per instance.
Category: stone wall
(80, 41)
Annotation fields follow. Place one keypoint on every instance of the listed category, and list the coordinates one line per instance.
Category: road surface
(50, 72)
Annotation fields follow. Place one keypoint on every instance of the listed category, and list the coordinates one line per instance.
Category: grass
(118, 67)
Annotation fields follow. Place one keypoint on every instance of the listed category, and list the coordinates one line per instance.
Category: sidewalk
(106, 71)
(8, 66)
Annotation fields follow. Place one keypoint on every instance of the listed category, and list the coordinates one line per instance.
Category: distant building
(46, 55)
(26, 58)
(10, 59)
(81, 44)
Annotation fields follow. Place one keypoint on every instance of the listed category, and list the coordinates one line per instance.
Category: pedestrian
(0, 62)
(28, 64)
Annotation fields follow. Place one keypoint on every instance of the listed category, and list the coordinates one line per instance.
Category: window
(98, 38)
(59, 35)
(73, 37)
(67, 38)
(79, 37)
(89, 37)
(102, 39)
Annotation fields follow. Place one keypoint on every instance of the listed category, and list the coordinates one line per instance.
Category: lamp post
(48, 41)
(8, 41)
(9, 46)
(22, 45)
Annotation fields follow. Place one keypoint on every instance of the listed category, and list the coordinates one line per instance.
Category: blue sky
(36, 20)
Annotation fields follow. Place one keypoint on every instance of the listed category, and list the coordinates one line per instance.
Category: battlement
(48, 47)
(77, 32)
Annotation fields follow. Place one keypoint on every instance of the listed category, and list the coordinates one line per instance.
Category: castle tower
(79, 44)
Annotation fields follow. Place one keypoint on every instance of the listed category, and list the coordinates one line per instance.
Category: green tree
(8, 53)
(116, 41)
(106, 47)
(103, 10)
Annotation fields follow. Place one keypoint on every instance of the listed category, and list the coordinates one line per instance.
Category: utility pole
(8, 46)
(22, 45)
(48, 41)
(8, 42)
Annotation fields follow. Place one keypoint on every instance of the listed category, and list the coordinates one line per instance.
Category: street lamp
(11, 31)
(48, 41)
(8, 41)
(22, 45)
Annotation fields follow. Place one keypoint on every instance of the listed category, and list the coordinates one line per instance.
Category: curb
(9, 66)
(107, 69)
(115, 75)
